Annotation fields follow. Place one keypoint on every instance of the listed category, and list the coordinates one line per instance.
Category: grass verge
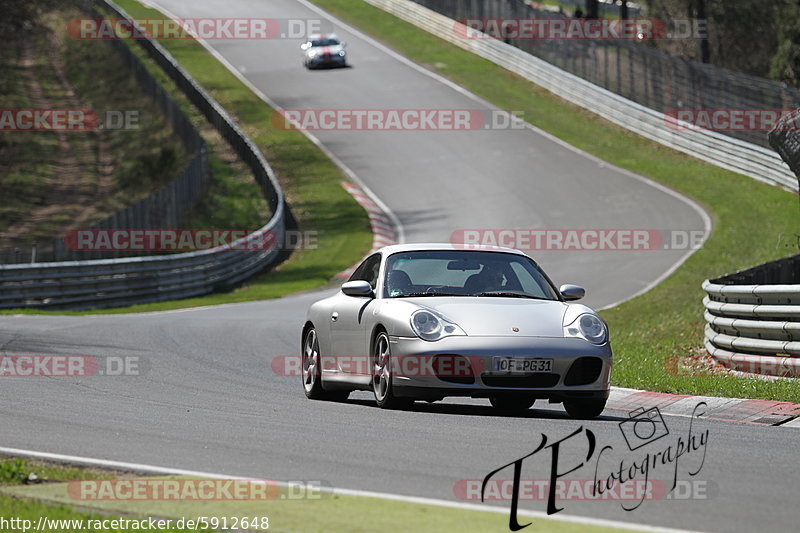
(53, 181)
(311, 183)
(312, 512)
(25, 509)
(753, 222)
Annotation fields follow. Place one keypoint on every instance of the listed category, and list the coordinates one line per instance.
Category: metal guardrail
(127, 281)
(724, 151)
(753, 318)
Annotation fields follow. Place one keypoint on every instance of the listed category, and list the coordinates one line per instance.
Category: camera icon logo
(643, 427)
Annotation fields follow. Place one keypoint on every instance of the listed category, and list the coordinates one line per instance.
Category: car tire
(512, 404)
(311, 371)
(382, 376)
(584, 409)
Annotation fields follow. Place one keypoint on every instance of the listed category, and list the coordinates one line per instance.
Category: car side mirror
(572, 292)
(358, 288)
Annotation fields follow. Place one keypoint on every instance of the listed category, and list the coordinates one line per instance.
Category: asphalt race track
(208, 399)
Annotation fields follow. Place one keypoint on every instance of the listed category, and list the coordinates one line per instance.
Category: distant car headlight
(312, 54)
(588, 327)
(341, 53)
(432, 327)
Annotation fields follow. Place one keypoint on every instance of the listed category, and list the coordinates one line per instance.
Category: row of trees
(758, 37)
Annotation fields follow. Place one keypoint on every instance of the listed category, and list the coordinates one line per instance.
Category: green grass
(137, 160)
(26, 158)
(148, 156)
(16, 471)
(311, 183)
(753, 222)
(13, 475)
(321, 512)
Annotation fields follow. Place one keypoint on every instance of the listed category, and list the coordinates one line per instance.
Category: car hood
(333, 50)
(499, 316)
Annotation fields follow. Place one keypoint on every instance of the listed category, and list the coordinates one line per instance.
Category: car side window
(368, 271)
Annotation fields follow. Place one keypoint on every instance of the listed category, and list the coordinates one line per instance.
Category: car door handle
(334, 316)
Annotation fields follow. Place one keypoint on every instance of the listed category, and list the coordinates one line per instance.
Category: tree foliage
(757, 37)
(786, 61)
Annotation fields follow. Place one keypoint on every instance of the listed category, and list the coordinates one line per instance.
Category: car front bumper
(332, 61)
(467, 367)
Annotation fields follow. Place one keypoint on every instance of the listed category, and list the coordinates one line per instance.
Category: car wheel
(382, 376)
(512, 404)
(312, 371)
(584, 409)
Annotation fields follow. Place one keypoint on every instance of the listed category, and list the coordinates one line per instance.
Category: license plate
(517, 365)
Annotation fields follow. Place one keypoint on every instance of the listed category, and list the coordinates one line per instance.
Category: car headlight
(430, 326)
(341, 53)
(588, 327)
(312, 54)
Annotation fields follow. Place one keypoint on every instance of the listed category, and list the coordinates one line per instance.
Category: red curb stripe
(760, 412)
(647, 399)
(755, 412)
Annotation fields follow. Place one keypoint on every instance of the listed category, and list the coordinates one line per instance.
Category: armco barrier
(126, 281)
(753, 318)
(720, 150)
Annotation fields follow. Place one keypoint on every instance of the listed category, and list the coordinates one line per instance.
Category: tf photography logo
(628, 477)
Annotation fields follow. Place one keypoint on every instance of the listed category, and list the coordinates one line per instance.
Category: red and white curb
(383, 230)
(760, 412)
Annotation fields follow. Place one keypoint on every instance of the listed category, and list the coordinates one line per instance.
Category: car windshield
(324, 42)
(465, 273)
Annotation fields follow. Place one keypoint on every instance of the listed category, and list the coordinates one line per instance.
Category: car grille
(583, 371)
(529, 381)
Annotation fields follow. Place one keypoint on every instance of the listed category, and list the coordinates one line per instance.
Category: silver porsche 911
(324, 51)
(426, 321)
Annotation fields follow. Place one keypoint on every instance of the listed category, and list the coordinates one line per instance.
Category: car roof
(431, 246)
